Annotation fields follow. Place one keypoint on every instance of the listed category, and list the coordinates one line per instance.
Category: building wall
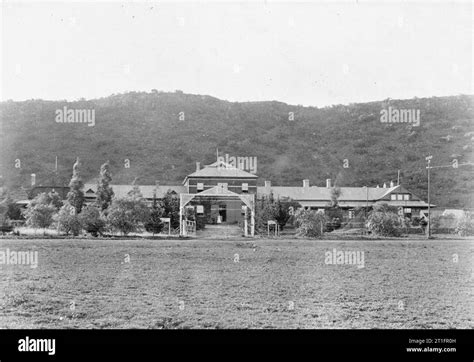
(233, 184)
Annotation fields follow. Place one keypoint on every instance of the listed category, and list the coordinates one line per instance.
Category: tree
(14, 212)
(154, 224)
(265, 210)
(130, 213)
(39, 213)
(55, 199)
(68, 220)
(135, 192)
(309, 223)
(9, 210)
(270, 209)
(335, 194)
(92, 220)
(104, 193)
(51, 198)
(284, 211)
(384, 220)
(465, 226)
(75, 196)
(170, 206)
(3, 210)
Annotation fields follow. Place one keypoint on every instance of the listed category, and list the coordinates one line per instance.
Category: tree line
(107, 213)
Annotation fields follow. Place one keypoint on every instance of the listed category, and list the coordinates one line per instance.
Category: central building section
(220, 193)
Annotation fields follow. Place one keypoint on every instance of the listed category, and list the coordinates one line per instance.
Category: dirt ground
(238, 284)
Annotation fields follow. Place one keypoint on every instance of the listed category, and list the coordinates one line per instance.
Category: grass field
(268, 284)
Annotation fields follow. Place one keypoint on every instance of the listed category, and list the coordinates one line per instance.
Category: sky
(313, 53)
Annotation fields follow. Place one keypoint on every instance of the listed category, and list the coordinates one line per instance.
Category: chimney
(384, 185)
(328, 183)
(268, 184)
(305, 184)
(33, 179)
(198, 166)
(392, 184)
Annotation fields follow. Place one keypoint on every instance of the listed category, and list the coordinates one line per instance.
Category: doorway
(222, 213)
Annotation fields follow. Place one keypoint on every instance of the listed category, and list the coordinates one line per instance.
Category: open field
(237, 284)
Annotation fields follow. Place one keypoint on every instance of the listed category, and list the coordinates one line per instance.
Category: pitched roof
(146, 190)
(350, 196)
(324, 193)
(221, 169)
(17, 194)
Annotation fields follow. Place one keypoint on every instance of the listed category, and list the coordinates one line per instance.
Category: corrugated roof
(317, 196)
(146, 190)
(18, 194)
(324, 193)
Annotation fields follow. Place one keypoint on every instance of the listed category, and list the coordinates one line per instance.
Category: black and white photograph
(237, 166)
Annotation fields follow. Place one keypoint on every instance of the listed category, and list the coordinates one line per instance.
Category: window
(407, 210)
(406, 197)
(393, 197)
(399, 197)
(245, 186)
(351, 214)
(200, 209)
(223, 185)
(200, 186)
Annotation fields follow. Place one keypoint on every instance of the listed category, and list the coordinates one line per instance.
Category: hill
(145, 128)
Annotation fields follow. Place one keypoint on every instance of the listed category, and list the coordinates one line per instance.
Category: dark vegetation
(145, 129)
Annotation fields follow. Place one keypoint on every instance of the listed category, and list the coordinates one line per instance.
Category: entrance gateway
(221, 193)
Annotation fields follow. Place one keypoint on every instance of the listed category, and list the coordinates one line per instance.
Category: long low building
(217, 191)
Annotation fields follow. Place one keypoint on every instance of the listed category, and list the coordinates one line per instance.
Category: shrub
(267, 208)
(384, 221)
(154, 224)
(170, 206)
(128, 215)
(309, 223)
(92, 220)
(465, 226)
(39, 213)
(68, 221)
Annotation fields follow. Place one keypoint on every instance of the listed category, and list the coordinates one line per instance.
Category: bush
(68, 221)
(309, 223)
(154, 224)
(267, 208)
(443, 224)
(465, 226)
(92, 220)
(384, 222)
(39, 213)
(170, 206)
(128, 215)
